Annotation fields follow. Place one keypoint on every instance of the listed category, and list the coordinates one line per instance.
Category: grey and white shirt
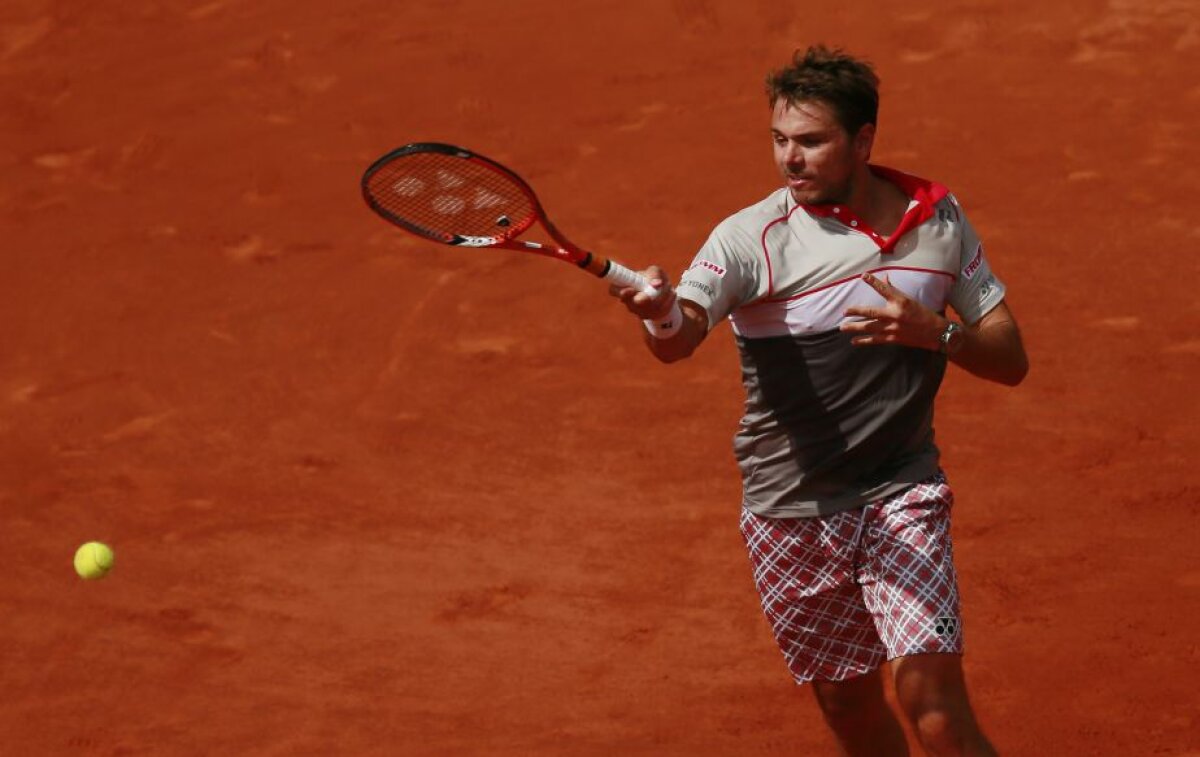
(829, 426)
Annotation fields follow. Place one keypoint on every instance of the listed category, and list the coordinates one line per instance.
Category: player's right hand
(643, 305)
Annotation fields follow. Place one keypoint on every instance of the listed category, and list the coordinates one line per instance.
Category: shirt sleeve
(724, 275)
(976, 290)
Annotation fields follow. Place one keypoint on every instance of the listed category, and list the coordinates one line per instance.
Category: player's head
(824, 106)
(847, 85)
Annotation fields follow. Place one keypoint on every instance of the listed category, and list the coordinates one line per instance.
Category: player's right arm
(725, 274)
(667, 343)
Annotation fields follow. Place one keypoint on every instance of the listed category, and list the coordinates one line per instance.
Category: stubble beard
(825, 190)
(838, 195)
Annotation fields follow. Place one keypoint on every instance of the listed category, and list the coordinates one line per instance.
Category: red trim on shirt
(767, 253)
(848, 279)
(925, 193)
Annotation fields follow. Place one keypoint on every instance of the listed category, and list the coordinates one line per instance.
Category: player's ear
(864, 141)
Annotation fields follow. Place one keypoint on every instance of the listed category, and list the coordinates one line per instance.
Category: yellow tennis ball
(93, 560)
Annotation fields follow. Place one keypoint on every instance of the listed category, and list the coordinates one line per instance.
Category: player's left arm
(990, 348)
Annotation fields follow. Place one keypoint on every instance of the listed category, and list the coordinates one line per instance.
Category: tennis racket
(456, 197)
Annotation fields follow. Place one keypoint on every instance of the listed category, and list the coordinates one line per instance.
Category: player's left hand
(901, 320)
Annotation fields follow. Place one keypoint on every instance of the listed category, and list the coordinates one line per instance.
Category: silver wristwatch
(951, 339)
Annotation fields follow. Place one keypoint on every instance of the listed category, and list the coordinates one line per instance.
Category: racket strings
(443, 196)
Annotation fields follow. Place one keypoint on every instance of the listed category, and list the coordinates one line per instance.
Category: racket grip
(623, 277)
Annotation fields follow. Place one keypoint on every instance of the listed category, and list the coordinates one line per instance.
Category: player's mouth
(799, 182)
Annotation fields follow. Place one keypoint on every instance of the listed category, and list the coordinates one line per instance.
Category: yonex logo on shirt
(708, 291)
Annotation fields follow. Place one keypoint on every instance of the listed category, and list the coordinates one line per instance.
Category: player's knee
(944, 730)
(936, 728)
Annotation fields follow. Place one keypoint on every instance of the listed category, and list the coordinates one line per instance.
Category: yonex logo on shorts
(945, 626)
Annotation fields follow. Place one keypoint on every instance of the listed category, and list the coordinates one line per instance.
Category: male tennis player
(836, 286)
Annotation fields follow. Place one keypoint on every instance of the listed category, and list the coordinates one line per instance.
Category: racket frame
(565, 250)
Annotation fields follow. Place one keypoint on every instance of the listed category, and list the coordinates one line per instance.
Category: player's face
(819, 160)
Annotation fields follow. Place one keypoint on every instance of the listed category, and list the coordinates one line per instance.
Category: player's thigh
(804, 572)
(907, 572)
(926, 681)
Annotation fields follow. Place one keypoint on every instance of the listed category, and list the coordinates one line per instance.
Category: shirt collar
(923, 194)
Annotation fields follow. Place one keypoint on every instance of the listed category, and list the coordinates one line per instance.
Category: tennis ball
(93, 560)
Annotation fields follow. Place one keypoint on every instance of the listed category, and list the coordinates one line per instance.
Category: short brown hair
(848, 85)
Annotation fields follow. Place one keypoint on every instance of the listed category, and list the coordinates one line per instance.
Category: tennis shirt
(829, 426)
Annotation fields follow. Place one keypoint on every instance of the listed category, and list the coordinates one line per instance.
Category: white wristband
(666, 326)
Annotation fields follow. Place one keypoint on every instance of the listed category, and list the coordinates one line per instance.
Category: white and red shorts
(846, 591)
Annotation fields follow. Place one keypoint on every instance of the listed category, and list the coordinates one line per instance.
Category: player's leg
(860, 717)
(933, 695)
(909, 584)
(804, 571)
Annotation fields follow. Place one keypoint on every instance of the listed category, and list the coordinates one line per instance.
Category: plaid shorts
(846, 591)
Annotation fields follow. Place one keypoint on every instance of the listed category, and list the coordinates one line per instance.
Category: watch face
(951, 337)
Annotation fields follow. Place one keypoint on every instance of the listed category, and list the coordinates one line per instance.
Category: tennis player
(837, 286)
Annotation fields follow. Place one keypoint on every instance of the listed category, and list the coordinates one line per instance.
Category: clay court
(375, 496)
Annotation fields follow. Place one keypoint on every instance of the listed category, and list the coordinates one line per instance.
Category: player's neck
(877, 201)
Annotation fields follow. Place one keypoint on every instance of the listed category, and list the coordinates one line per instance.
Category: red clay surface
(373, 496)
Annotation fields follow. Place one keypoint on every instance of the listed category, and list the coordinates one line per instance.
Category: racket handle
(623, 277)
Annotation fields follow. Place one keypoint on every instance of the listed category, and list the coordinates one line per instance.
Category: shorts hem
(849, 675)
(923, 652)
